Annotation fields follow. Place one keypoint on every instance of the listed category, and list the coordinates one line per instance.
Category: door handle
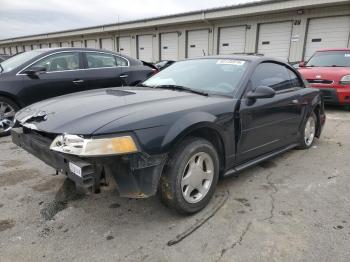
(295, 102)
(123, 76)
(78, 81)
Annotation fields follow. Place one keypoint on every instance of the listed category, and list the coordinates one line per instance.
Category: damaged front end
(136, 174)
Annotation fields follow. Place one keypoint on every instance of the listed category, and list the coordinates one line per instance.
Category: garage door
(13, 50)
(197, 43)
(91, 43)
(145, 47)
(274, 40)
(20, 48)
(169, 46)
(54, 45)
(65, 44)
(27, 47)
(44, 45)
(330, 32)
(7, 50)
(232, 40)
(107, 44)
(77, 43)
(124, 45)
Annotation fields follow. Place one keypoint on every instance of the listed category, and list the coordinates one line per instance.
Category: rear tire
(190, 177)
(309, 131)
(8, 108)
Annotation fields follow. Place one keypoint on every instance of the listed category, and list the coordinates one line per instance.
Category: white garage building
(290, 30)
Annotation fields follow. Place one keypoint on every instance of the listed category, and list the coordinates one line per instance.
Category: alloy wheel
(7, 115)
(197, 177)
(310, 129)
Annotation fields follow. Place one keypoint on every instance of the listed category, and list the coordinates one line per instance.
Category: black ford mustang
(44, 73)
(178, 131)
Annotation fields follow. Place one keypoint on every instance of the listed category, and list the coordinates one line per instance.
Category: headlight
(345, 80)
(76, 145)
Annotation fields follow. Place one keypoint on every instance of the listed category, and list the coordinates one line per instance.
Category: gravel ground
(292, 208)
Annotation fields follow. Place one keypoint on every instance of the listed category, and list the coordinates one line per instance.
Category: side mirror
(35, 71)
(261, 92)
(302, 64)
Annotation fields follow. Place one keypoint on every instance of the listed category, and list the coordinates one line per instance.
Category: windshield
(17, 60)
(220, 76)
(330, 59)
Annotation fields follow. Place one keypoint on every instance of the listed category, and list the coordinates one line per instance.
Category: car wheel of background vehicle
(190, 176)
(309, 131)
(8, 110)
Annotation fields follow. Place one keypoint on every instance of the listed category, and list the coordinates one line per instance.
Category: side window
(100, 60)
(273, 75)
(59, 62)
(294, 79)
(121, 61)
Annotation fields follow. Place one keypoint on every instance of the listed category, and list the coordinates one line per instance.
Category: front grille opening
(320, 81)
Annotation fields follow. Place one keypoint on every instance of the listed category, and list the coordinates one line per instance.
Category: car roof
(252, 58)
(333, 49)
(54, 49)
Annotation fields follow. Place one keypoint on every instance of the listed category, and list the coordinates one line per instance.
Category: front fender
(186, 124)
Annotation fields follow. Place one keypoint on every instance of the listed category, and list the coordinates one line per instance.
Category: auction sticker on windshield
(230, 62)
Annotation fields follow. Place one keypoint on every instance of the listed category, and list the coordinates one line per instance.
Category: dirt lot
(293, 208)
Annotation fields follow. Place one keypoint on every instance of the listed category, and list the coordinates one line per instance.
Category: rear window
(330, 59)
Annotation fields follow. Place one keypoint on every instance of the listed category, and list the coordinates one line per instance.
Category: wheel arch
(317, 110)
(202, 126)
(12, 98)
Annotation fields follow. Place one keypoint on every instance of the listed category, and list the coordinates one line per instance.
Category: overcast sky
(26, 17)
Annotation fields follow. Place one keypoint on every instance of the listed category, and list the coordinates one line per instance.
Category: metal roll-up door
(107, 44)
(54, 45)
(65, 44)
(44, 46)
(91, 43)
(13, 50)
(232, 40)
(7, 50)
(330, 32)
(124, 45)
(197, 43)
(275, 39)
(169, 44)
(27, 47)
(77, 43)
(145, 47)
(20, 48)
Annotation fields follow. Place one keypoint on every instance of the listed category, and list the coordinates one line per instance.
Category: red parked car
(329, 70)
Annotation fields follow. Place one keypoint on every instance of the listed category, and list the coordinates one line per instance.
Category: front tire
(309, 131)
(8, 109)
(190, 177)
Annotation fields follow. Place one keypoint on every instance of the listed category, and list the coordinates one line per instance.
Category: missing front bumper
(136, 175)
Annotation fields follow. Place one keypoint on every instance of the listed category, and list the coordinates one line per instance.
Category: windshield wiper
(182, 88)
(2, 69)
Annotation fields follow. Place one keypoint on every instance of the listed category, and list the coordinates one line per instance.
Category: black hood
(112, 110)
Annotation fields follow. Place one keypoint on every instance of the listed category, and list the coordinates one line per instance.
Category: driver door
(270, 123)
